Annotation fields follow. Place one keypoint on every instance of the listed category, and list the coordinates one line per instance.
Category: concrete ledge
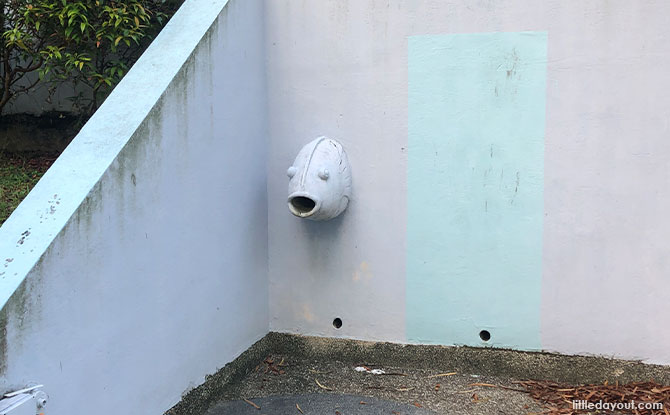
(483, 361)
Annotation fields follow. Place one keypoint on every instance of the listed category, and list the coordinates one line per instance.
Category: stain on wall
(475, 188)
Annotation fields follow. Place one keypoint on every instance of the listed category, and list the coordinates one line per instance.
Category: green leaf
(74, 37)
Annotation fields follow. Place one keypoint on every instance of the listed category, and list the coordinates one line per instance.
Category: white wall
(340, 68)
(153, 228)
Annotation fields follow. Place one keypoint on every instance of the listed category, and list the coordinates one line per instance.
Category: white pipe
(14, 400)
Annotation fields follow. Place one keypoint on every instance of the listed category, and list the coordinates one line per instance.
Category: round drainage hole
(337, 323)
(485, 335)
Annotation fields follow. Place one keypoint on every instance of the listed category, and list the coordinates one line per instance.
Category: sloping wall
(144, 264)
(510, 172)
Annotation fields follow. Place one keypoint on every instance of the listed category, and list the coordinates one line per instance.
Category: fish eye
(324, 174)
(291, 171)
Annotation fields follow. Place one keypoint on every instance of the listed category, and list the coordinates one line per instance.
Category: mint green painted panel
(475, 188)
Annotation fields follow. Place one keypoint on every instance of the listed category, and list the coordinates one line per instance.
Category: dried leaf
(441, 375)
(321, 386)
(558, 398)
(252, 404)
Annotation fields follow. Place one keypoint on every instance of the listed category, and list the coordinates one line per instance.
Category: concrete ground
(315, 404)
(441, 392)
(290, 374)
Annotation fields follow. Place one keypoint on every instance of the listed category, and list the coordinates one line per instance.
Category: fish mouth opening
(302, 205)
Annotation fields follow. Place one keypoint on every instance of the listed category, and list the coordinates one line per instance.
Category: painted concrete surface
(340, 68)
(606, 182)
(475, 182)
(332, 70)
(145, 263)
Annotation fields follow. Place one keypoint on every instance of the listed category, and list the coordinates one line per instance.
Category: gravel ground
(316, 404)
(447, 394)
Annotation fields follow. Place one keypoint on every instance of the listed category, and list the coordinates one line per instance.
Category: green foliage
(87, 42)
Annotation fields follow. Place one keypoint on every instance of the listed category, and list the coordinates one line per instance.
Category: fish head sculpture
(319, 180)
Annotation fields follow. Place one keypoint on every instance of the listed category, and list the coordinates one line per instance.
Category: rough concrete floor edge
(485, 361)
